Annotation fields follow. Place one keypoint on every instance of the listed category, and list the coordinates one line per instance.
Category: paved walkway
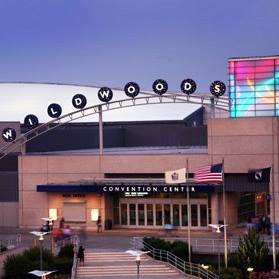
(114, 265)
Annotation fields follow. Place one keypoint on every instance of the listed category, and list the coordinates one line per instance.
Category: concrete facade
(244, 144)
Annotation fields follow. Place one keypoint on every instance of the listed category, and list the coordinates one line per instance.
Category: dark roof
(76, 136)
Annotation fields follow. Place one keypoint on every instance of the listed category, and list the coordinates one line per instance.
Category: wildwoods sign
(105, 94)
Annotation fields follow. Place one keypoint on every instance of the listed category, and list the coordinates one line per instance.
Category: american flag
(209, 174)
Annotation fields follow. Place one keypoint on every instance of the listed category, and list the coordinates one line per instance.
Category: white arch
(149, 99)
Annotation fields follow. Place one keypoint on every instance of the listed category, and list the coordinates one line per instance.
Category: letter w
(8, 134)
(104, 93)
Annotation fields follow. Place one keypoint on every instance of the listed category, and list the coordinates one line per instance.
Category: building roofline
(253, 58)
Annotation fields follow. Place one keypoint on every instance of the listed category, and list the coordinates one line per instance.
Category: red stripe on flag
(204, 174)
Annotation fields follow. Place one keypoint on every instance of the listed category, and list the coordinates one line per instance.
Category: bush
(33, 254)
(158, 243)
(231, 273)
(66, 251)
(18, 266)
(252, 252)
(180, 249)
(3, 248)
(62, 265)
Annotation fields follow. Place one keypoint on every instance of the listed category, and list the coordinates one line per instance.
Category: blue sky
(111, 42)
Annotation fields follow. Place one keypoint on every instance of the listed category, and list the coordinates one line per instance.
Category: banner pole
(188, 214)
(224, 213)
(273, 221)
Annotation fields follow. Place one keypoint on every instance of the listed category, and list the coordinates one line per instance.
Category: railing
(216, 245)
(74, 267)
(194, 270)
(11, 242)
(75, 241)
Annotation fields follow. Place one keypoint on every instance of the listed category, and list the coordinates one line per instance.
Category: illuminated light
(94, 214)
(52, 213)
(254, 84)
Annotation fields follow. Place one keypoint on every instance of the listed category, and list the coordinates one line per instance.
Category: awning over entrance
(108, 188)
(233, 183)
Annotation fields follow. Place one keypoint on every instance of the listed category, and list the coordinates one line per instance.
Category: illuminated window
(52, 213)
(94, 214)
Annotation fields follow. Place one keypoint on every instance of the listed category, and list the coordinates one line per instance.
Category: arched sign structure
(221, 103)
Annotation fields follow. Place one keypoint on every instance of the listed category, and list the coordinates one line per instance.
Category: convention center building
(116, 170)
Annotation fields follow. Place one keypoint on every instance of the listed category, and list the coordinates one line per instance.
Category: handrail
(74, 267)
(195, 270)
(75, 241)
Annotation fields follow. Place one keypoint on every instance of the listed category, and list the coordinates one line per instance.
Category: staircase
(114, 265)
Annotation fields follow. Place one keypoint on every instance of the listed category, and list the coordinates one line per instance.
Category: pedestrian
(263, 223)
(61, 223)
(99, 224)
(268, 225)
(80, 254)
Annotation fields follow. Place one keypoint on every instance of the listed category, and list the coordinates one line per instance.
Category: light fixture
(94, 214)
(250, 269)
(52, 213)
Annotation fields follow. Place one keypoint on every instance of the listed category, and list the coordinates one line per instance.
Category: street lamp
(250, 270)
(41, 239)
(218, 227)
(206, 267)
(138, 265)
(137, 253)
(42, 274)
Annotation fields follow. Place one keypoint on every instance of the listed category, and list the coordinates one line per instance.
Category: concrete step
(108, 265)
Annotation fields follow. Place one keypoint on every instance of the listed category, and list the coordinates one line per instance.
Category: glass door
(167, 214)
(176, 215)
(149, 209)
(132, 209)
(141, 215)
(159, 215)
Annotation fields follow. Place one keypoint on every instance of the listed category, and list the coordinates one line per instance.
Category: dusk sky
(109, 42)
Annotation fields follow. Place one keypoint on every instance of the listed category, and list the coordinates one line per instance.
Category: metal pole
(273, 221)
(138, 274)
(41, 255)
(224, 213)
(100, 130)
(219, 246)
(188, 214)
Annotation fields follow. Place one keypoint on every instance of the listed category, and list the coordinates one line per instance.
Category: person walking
(99, 224)
(80, 254)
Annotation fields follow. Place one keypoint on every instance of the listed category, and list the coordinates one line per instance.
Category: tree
(252, 252)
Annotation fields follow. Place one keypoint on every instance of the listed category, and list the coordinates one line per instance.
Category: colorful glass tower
(254, 86)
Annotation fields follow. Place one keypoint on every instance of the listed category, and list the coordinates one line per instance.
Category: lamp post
(138, 265)
(41, 239)
(250, 270)
(218, 227)
(42, 274)
(137, 253)
(206, 267)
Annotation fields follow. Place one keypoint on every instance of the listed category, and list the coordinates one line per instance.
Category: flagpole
(224, 213)
(188, 214)
(273, 221)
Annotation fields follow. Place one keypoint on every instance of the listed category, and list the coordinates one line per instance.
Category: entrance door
(141, 215)
(159, 212)
(167, 214)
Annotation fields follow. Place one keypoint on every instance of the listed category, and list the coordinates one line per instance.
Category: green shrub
(231, 273)
(252, 252)
(17, 267)
(66, 251)
(62, 265)
(180, 249)
(3, 248)
(33, 254)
